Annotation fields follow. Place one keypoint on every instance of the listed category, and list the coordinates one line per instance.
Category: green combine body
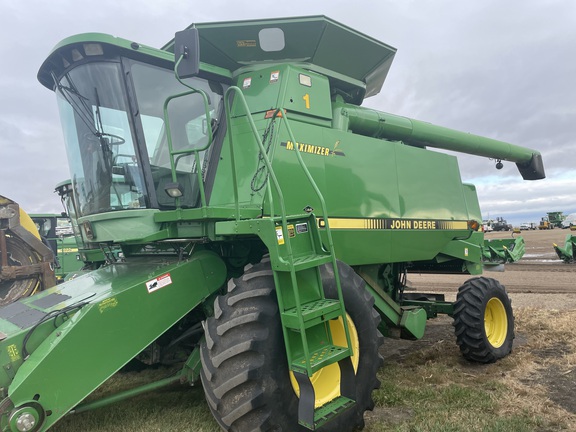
(90, 255)
(567, 253)
(267, 225)
(556, 219)
(56, 230)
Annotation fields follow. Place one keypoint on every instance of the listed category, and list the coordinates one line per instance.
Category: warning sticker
(302, 228)
(159, 282)
(274, 76)
(279, 235)
(247, 83)
(107, 304)
(13, 353)
(291, 232)
(246, 43)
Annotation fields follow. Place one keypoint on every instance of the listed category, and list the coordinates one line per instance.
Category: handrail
(267, 162)
(196, 151)
(326, 226)
(276, 184)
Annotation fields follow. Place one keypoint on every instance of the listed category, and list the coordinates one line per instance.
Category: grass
(174, 408)
(434, 389)
(430, 389)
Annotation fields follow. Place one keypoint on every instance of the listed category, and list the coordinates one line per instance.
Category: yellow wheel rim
(326, 381)
(495, 322)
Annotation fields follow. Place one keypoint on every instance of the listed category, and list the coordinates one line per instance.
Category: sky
(505, 70)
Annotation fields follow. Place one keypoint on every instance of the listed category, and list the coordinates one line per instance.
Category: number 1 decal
(306, 98)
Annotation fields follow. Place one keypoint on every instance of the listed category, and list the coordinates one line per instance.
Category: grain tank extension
(267, 224)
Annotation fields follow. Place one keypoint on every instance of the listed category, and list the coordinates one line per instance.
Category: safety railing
(272, 176)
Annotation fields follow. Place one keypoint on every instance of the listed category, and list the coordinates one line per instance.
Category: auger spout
(378, 124)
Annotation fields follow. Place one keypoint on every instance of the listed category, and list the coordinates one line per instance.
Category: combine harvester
(56, 231)
(552, 220)
(556, 219)
(267, 224)
(90, 255)
(34, 254)
(26, 262)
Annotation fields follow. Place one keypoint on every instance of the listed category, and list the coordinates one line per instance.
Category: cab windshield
(117, 147)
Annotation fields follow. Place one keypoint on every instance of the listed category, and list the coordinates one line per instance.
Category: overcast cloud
(506, 70)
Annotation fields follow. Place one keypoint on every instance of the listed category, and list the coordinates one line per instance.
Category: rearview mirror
(187, 50)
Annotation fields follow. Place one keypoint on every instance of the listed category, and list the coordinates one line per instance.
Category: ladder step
(313, 313)
(305, 262)
(328, 411)
(320, 358)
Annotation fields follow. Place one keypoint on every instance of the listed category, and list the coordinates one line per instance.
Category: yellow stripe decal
(394, 224)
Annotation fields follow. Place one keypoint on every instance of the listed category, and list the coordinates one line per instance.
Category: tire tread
(469, 320)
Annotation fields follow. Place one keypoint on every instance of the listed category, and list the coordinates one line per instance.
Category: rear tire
(483, 320)
(244, 368)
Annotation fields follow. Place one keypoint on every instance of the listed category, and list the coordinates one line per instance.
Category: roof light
(76, 56)
(93, 49)
(305, 80)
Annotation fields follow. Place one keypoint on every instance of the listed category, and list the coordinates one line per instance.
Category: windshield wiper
(78, 102)
(81, 106)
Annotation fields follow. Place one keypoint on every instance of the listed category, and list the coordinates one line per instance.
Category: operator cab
(116, 129)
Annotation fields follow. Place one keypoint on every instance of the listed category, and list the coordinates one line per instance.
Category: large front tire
(244, 367)
(483, 320)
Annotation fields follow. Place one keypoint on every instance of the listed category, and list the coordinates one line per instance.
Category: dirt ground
(539, 280)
